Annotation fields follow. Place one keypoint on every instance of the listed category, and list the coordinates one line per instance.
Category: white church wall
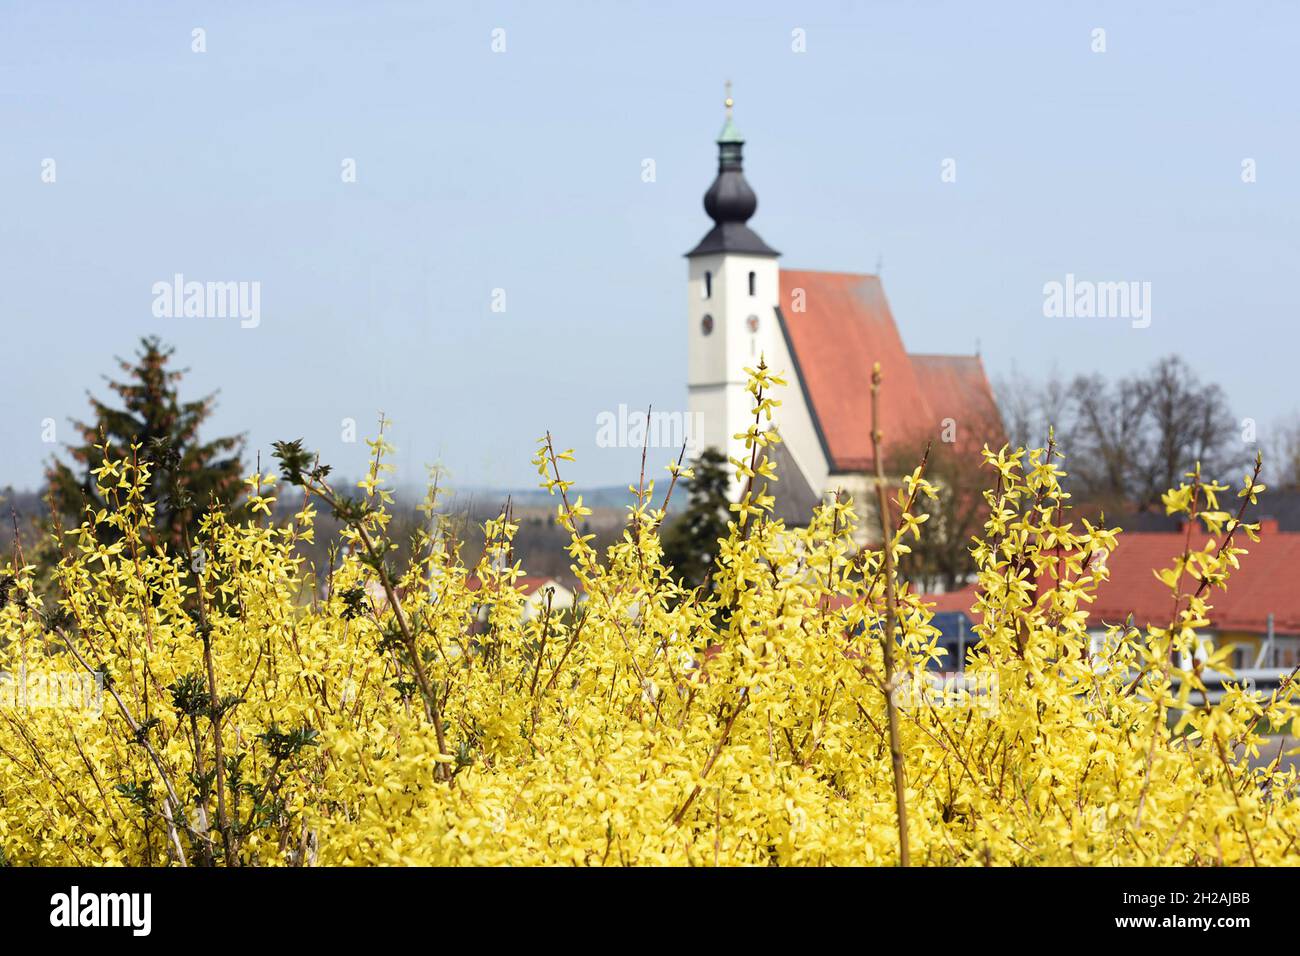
(717, 359)
(744, 329)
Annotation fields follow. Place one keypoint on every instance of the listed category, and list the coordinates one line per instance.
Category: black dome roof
(730, 202)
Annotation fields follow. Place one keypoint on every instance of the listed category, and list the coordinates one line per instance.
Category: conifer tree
(189, 475)
(691, 542)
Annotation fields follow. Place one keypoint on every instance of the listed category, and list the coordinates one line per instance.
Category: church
(822, 332)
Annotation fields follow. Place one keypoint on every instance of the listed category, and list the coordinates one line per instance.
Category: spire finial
(729, 132)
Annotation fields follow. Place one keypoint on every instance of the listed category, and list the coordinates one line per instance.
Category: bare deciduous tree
(1129, 439)
(1282, 454)
(1187, 422)
(1030, 408)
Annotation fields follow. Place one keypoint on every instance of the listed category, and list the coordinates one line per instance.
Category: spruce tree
(188, 475)
(690, 542)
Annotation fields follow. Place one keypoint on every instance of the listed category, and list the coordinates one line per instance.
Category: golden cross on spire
(728, 102)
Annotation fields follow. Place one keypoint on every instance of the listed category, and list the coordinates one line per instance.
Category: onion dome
(730, 201)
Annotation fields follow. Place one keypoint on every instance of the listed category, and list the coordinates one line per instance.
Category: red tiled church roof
(956, 388)
(838, 325)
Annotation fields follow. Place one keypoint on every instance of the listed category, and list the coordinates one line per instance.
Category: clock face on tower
(752, 323)
(706, 324)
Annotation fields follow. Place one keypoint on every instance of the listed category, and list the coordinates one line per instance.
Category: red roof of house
(838, 325)
(1268, 582)
(526, 584)
(961, 600)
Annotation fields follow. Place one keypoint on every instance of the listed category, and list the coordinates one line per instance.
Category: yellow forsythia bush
(417, 717)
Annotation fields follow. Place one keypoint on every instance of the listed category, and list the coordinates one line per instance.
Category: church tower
(734, 288)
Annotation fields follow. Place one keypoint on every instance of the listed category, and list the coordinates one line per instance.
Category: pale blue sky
(522, 171)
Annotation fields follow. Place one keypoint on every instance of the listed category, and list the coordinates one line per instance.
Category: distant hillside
(609, 496)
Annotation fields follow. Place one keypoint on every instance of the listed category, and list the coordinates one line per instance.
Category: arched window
(753, 284)
(708, 285)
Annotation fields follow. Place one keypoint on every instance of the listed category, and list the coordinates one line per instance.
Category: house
(1280, 505)
(956, 625)
(822, 332)
(1259, 613)
(536, 591)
